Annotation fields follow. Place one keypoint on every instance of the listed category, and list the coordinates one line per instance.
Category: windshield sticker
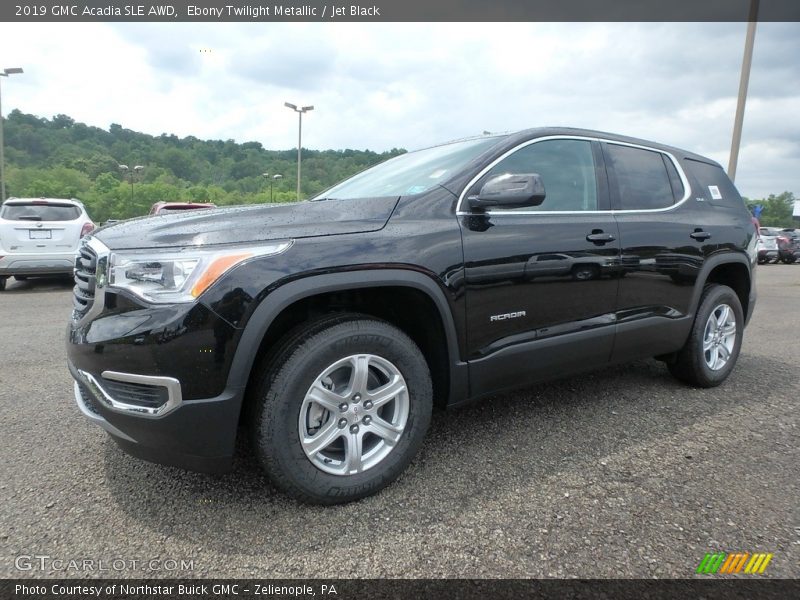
(416, 189)
(438, 173)
(715, 195)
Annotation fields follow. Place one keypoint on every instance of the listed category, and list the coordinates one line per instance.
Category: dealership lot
(619, 473)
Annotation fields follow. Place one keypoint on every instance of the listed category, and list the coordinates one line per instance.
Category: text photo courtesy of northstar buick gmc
(328, 330)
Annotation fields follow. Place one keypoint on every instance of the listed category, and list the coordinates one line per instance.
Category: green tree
(777, 210)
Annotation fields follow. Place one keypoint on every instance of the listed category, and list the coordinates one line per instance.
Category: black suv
(328, 329)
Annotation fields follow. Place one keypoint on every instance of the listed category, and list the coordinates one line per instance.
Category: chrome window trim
(687, 191)
(173, 386)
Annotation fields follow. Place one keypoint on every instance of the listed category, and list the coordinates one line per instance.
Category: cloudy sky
(380, 86)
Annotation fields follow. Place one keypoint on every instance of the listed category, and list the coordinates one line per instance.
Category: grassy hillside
(61, 158)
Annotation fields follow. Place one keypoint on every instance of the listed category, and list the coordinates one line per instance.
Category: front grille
(85, 280)
(137, 394)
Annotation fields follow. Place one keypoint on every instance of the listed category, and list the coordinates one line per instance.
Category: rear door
(541, 282)
(663, 241)
(40, 226)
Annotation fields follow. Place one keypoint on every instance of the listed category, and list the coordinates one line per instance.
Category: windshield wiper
(29, 218)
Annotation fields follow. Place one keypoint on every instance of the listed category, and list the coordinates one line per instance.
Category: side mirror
(509, 191)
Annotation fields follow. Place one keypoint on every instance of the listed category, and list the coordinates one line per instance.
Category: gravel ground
(620, 473)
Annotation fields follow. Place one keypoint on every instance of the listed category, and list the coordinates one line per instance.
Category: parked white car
(40, 236)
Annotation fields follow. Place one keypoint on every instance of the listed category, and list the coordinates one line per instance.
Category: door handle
(700, 235)
(598, 237)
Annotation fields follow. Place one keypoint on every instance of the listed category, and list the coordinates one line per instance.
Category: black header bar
(750, 588)
(331, 11)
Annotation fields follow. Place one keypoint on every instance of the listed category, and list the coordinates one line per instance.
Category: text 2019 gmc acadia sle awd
(328, 329)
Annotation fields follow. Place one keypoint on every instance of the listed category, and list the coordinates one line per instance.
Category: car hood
(259, 223)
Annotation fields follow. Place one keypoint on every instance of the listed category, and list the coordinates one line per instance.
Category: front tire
(3, 283)
(341, 409)
(711, 351)
(585, 272)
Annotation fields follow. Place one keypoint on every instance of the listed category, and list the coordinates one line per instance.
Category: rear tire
(3, 283)
(314, 448)
(711, 351)
(21, 277)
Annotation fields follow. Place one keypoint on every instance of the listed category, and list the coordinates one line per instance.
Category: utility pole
(744, 81)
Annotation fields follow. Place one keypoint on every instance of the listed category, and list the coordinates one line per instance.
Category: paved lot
(622, 473)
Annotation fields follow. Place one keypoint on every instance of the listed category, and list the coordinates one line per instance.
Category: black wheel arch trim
(284, 296)
(712, 263)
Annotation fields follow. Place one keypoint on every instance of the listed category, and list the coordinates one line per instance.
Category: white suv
(40, 236)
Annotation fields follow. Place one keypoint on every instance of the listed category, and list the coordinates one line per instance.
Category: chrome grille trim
(90, 273)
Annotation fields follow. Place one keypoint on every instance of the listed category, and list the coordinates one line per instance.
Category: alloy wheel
(354, 414)
(719, 337)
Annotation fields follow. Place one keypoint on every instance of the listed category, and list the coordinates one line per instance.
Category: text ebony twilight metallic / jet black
(328, 329)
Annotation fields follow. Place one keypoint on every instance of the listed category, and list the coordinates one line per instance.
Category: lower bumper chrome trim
(97, 419)
(172, 385)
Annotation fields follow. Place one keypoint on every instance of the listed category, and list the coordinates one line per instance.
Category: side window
(566, 168)
(715, 185)
(643, 181)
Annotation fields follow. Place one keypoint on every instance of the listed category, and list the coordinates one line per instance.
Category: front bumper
(154, 376)
(198, 435)
(55, 263)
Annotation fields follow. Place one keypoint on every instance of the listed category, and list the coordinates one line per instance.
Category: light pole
(274, 178)
(271, 179)
(126, 171)
(299, 112)
(4, 73)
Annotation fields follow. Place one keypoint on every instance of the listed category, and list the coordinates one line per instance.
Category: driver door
(541, 281)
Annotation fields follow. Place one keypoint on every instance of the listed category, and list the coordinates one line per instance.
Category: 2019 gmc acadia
(328, 329)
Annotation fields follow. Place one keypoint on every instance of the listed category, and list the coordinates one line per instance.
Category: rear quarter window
(40, 212)
(715, 186)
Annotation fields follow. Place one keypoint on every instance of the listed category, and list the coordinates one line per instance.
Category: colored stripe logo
(734, 562)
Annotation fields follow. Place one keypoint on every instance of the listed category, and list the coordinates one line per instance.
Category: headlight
(179, 276)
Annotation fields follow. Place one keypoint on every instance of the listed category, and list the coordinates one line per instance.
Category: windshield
(40, 212)
(410, 173)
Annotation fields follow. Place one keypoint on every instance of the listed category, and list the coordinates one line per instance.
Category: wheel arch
(274, 317)
(733, 270)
